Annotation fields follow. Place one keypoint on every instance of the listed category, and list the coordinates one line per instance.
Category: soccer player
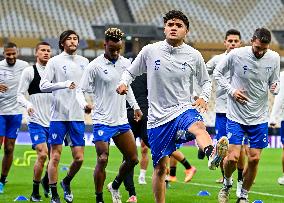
(171, 65)
(38, 108)
(253, 71)
(10, 111)
(61, 76)
(110, 116)
(139, 129)
(178, 156)
(277, 109)
(232, 40)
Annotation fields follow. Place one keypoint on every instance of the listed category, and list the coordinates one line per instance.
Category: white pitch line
(196, 184)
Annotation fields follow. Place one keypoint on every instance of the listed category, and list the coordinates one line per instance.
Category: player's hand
(72, 85)
(3, 88)
(138, 115)
(88, 108)
(240, 96)
(273, 125)
(31, 111)
(122, 89)
(273, 88)
(201, 105)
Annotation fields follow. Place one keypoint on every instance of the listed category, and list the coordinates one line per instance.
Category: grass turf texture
(266, 187)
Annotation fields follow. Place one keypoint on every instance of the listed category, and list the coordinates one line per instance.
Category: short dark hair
(10, 45)
(178, 15)
(233, 32)
(113, 34)
(64, 35)
(41, 43)
(263, 34)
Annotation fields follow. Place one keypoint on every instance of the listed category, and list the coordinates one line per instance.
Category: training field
(266, 187)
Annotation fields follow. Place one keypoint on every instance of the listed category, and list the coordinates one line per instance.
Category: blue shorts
(220, 125)
(73, 131)
(38, 133)
(104, 132)
(257, 134)
(10, 125)
(282, 132)
(162, 139)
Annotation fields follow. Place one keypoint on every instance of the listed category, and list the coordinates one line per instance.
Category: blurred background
(27, 22)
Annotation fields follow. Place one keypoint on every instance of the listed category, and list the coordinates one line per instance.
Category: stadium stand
(209, 19)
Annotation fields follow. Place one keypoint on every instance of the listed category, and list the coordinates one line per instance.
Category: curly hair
(113, 34)
(178, 15)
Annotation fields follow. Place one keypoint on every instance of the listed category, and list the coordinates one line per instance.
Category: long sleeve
(131, 99)
(219, 74)
(84, 86)
(278, 105)
(46, 84)
(138, 67)
(210, 66)
(25, 81)
(203, 80)
(274, 78)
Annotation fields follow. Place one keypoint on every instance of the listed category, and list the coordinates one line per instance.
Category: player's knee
(79, 159)
(103, 159)
(232, 158)
(199, 125)
(254, 159)
(55, 158)
(8, 150)
(42, 156)
(161, 170)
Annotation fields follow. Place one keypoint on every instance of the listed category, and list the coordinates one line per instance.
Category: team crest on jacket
(157, 64)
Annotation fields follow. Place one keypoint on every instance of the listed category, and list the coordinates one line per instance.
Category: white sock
(142, 173)
(244, 193)
(228, 181)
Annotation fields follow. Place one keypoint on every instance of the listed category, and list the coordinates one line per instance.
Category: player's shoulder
(273, 54)
(97, 62)
(22, 63)
(218, 57)
(82, 58)
(124, 60)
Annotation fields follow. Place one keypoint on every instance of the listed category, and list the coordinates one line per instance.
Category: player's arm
(219, 74)
(274, 80)
(46, 84)
(25, 81)
(134, 105)
(278, 105)
(210, 66)
(203, 80)
(138, 67)
(85, 86)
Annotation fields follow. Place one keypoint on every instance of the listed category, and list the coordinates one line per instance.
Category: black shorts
(139, 128)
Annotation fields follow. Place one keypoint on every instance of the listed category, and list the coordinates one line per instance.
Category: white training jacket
(101, 77)
(39, 102)
(221, 94)
(10, 76)
(255, 77)
(60, 71)
(278, 105)
(170, 72)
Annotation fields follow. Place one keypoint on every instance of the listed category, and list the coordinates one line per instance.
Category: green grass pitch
(266, 187)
